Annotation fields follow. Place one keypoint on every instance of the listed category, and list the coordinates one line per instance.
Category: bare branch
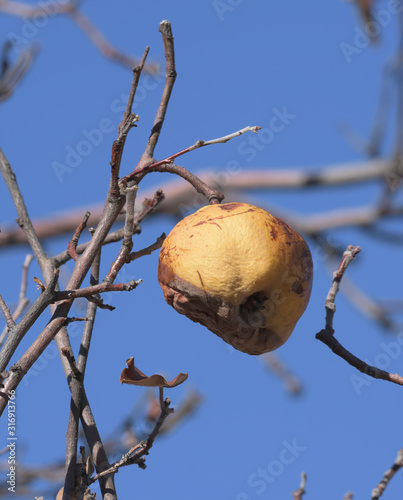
(94, 290)
(129, 120)
(398, 464)
(148, 206)
(136, 454)
(181, 194)
(24, 221)
(297, 494)
(137, 70)
(330, 306)
(168, 41)
(327, 334)
(72, 245)
(11, 75)
(127, 243)
(198, 144)
(7, 314)
(89, 326)
(148, 250)
(167, 165)
(26, 322)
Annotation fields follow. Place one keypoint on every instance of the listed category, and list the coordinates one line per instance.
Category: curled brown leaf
(132, 375)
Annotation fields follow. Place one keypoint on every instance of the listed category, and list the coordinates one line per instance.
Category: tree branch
(72, 245)
(136, 453)
(148, 250)
(198, 144)
(297, 494)
(327, 334)
(7, 314)
(398, 464)
(23, 221)
(179, 194)
(170, 77)
(94, 290)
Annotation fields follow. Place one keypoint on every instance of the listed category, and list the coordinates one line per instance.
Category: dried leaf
(132, 375)
(39, 284)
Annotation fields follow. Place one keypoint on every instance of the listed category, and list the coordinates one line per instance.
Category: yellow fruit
(239, 271)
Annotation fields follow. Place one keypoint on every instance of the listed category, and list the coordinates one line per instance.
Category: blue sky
(238, 63)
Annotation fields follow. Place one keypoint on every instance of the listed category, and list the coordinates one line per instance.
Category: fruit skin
(239, 271)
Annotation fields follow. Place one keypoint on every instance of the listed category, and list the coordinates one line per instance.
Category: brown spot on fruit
(297, 288)
(229, 206)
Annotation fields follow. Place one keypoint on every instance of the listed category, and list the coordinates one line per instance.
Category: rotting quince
(241, 272)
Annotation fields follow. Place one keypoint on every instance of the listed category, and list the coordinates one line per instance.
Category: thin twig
(94, 290)
(170, 77)
(136, 454)
(148, 206)
(129, 120)
(327, 334)
(7, 314)
(19, 331)
(330, 306)
(148, 250)
(13, 74)
(297, 494)
(137, 70)
(89, 326)
(199, 144)
(24, 220)
(380, 488)
(167, 165)
(72, 245)
(127, 243)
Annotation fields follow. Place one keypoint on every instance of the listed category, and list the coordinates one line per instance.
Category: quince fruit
(241, 272)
